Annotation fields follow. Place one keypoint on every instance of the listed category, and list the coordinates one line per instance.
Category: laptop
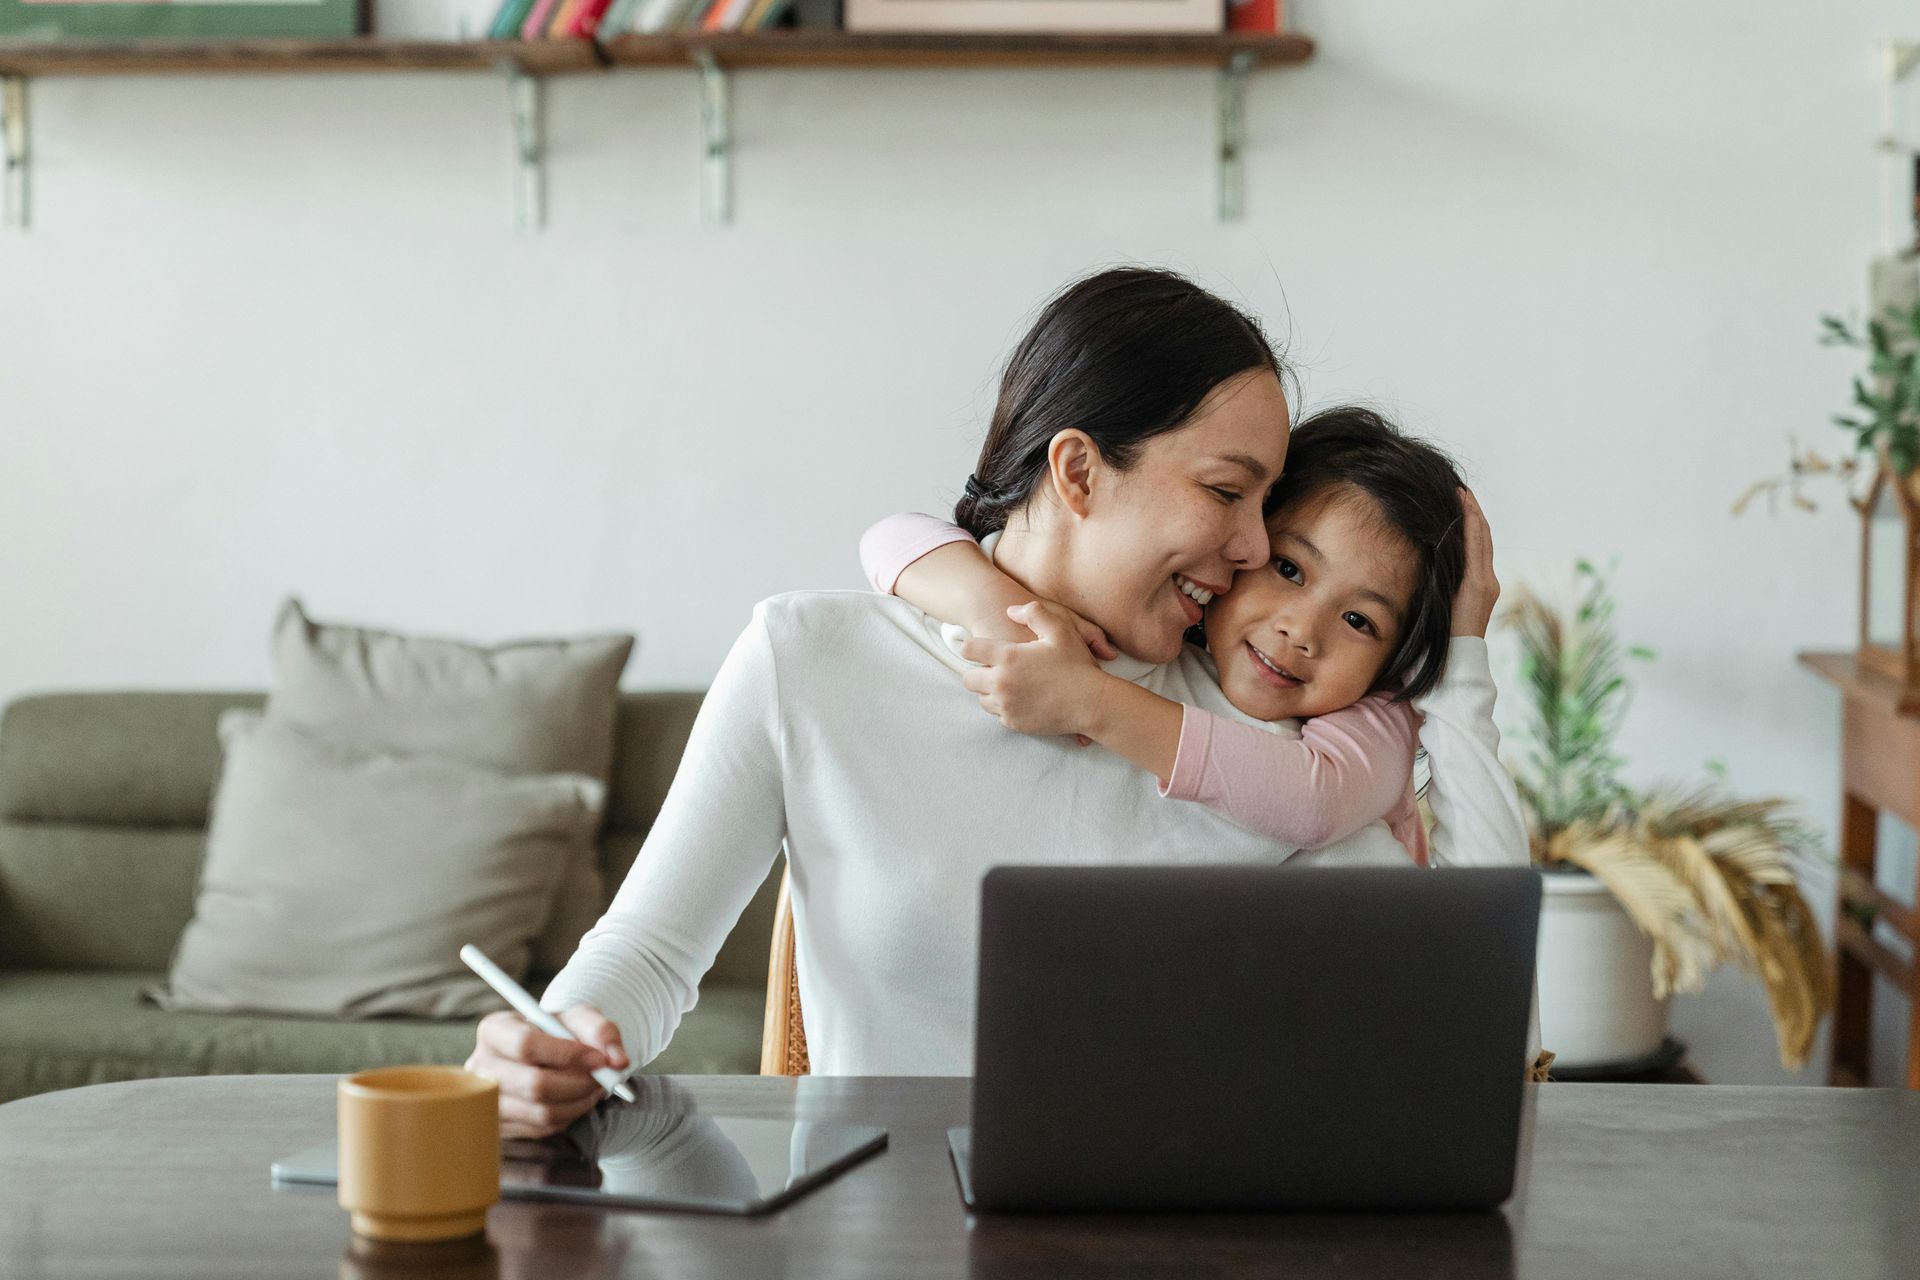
(1249, 1038)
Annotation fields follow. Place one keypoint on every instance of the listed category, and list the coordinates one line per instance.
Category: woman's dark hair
(1124, 355)
(1415, 490)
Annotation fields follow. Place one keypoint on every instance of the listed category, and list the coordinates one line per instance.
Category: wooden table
(1880, 773)
(169, 1178)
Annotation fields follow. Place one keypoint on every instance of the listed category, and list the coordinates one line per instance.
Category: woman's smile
(1193, 597)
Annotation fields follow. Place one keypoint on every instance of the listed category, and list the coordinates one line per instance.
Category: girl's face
(1185, 516)
(1311, 632)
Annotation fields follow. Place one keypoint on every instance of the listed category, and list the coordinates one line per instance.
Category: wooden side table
(1880, 772)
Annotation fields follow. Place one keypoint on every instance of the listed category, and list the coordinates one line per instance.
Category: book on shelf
(586, 19)
(563, 16)
(719, 15)
(507, 21)
(766, 13)
(616, 21)
(604, 19)
(817, 15)
(1256, 17)
(1115, 17)
(539, 18)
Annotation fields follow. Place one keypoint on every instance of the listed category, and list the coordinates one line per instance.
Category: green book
(771, 14)
(619, 19)
(507, 22)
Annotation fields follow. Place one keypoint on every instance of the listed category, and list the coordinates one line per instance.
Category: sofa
(104, 800)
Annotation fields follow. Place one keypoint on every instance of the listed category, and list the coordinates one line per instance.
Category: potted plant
(1646, 892)
(1884, 422)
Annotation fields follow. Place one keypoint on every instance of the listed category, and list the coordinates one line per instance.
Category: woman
(1146, 420)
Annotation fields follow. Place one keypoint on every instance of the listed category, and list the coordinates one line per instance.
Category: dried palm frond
(1710, 881)
(1706, 877)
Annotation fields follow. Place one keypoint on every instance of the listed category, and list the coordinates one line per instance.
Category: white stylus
(523, 1004)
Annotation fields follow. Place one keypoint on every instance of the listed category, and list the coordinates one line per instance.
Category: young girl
(1349, 622)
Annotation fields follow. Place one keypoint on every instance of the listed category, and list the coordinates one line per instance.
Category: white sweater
(838, 725)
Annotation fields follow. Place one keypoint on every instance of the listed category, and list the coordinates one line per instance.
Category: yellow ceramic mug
(419, 1152)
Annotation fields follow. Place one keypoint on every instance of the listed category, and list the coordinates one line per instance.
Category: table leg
(1853, 978)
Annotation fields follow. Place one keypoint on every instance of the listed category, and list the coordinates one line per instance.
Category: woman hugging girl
(1380, 566)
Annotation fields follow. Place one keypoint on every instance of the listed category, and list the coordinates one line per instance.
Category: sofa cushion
(68, 1029)
(342, 882)
(530, 706)
(77, 896)
(128, 759)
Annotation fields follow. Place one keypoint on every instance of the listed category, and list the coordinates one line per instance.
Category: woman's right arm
(707, 853)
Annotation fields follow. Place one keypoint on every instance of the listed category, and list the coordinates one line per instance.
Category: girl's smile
(1272, 672)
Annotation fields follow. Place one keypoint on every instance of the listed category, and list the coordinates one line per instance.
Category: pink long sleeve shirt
(1348, 768)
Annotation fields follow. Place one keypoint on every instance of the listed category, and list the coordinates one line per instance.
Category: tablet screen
(639, 1157)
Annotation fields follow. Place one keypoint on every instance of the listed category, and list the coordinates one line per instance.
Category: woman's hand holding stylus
(546, 1083)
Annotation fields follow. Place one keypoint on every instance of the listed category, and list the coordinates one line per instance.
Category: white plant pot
(1596, 983)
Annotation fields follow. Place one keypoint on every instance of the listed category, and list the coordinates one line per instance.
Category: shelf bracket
(13, 123)
(1231, 167)
(529, 147)
(716, 118)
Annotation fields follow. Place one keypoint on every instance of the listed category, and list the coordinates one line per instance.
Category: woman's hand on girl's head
(1479, 589)
(1045, 686)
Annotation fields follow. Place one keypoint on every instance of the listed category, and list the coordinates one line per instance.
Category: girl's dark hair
(1124, 355)
(1415, 490)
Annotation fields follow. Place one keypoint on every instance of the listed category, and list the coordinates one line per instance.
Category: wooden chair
(783, 1036)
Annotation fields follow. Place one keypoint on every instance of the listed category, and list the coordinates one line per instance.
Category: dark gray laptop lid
(1232, 1037)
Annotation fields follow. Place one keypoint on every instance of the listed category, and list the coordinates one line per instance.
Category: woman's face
(1185, 517)
(1311, 632)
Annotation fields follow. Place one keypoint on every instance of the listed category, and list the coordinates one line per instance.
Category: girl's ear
(1073, 463)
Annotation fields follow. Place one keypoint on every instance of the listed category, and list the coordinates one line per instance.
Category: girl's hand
(1009, 626)
(1050, 685)
(1479, 589)
(546, 1083)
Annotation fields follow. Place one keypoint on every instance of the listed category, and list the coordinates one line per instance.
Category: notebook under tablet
(1249, 1038)
(641, 1158)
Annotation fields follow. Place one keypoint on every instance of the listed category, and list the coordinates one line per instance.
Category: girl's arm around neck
(889, 546)
(937, 567)
(1347, 769)
(1138, 724)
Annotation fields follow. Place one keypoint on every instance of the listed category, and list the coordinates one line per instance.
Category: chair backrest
(783, 1035)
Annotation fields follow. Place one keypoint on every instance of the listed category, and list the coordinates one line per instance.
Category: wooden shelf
(954, 49)
(563, 57)
(524, 64)
(290, 56)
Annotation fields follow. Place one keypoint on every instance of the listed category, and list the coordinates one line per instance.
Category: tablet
(634, 1157)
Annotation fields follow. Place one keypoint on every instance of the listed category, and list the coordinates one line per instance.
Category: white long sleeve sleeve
(1477, 819)
(711, 847)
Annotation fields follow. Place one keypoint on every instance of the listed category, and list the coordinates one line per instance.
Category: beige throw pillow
(342, 883)
(532, 706)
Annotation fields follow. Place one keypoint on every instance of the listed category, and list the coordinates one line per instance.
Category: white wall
(272, 335)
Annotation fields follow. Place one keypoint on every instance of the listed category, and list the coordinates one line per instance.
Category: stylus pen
(523, 1004)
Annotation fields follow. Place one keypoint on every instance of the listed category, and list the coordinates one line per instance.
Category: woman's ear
(1073, 465)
